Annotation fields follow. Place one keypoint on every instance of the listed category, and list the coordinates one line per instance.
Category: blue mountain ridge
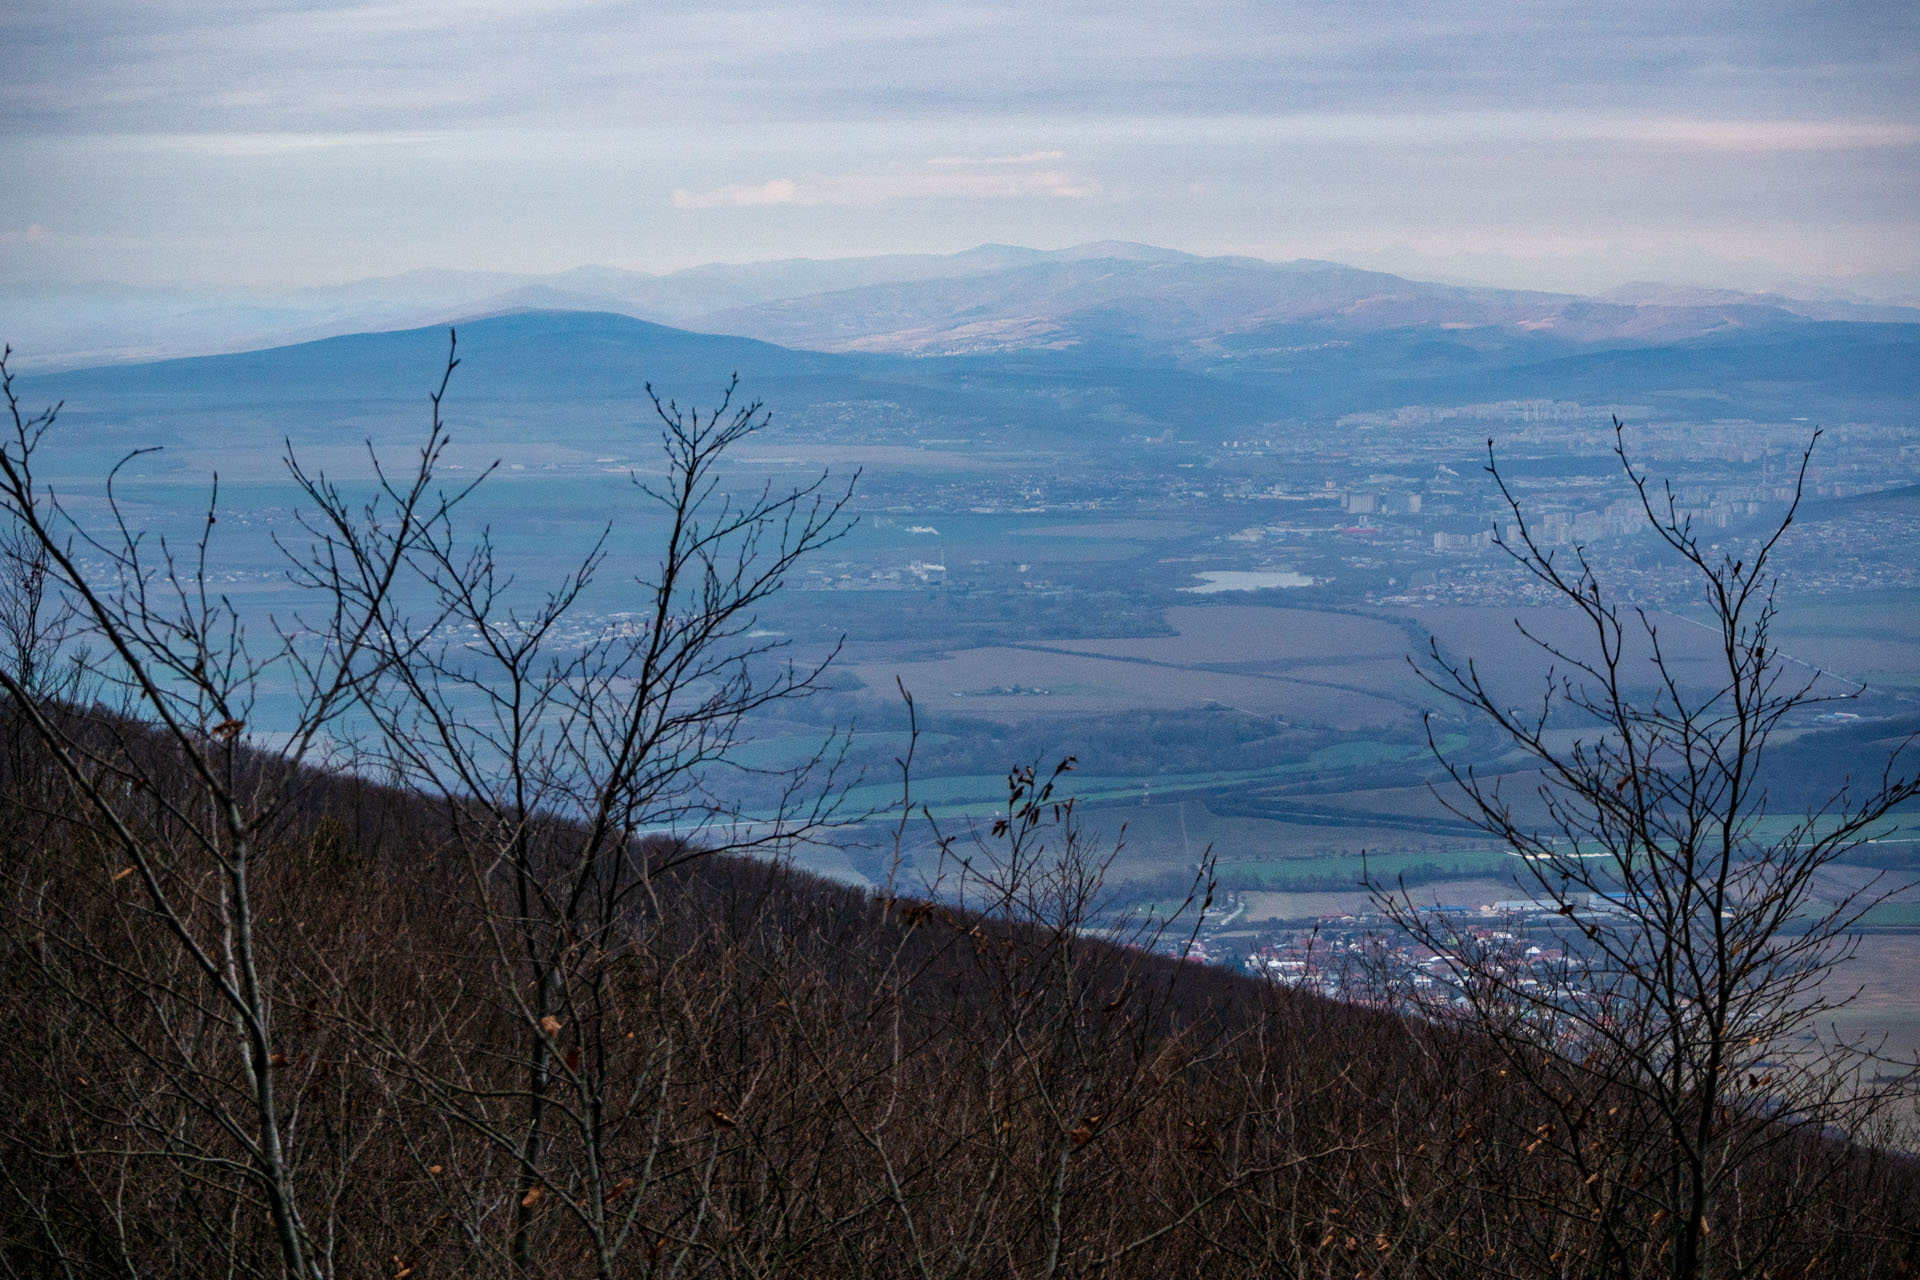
(1809, 368)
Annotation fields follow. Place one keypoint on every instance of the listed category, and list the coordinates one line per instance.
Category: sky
(1750, 145)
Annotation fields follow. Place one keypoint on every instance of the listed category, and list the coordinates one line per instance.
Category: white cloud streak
(273, 143)
(739, 196)
(942, 180)
(981, 162)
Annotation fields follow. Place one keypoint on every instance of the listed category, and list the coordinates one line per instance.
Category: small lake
(1247, 580)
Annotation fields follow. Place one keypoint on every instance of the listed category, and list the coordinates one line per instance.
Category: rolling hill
(993, 298)
(1086, 390)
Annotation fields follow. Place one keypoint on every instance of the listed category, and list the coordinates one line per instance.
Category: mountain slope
(583, 355)
(989, 298)
(1080, 391)
(1185, 304)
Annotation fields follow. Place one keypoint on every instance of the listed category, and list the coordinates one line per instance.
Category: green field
(1892, 915)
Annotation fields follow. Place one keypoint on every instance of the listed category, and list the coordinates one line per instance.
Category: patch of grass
(1904, 915)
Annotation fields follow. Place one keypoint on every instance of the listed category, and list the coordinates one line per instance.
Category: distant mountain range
(1157, 303)
(573, 378)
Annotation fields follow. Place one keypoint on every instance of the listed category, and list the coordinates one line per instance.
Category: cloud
(337, 65)
(884, 188)
(1763, 135)
(942, 180)
(284, 143)
(1494, 128)
(33, 234)
(324, 139)
(739, 196)
(978, 162)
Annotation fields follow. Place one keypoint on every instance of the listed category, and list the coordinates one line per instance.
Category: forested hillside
(770, 1076)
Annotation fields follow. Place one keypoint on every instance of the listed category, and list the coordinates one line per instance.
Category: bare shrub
(1678, 1056)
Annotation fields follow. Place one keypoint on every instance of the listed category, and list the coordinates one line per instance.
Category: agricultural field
(1320, 669)
(1871, 637)
(1269, 905)
(1883, 970)
(1017, 682)
(1239, 635)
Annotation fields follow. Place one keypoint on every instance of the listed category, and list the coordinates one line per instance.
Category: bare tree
(35, 618)
(1679, 1047)
(37, 626)
(180, 803)
(577, 760)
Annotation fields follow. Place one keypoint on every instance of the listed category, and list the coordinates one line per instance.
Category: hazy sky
(1568, 146)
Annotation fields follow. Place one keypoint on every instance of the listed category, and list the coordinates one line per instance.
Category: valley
(1219, 601)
